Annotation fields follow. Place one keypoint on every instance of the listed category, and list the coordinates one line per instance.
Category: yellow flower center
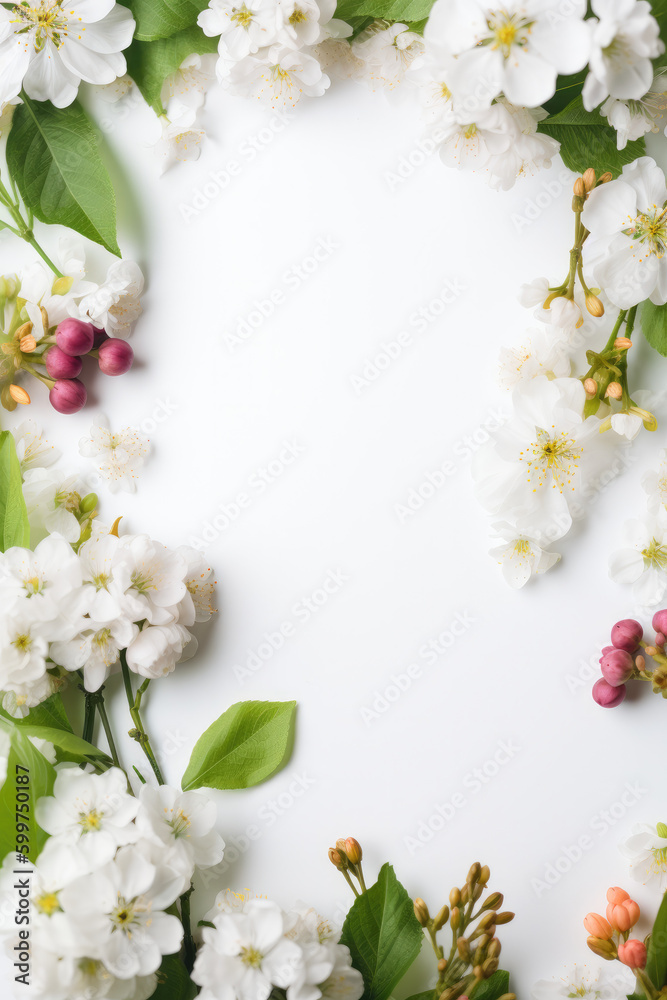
(551, 459)
(251, 957)
(48, 903)
(90, 821)
(45, 20)
(241, 16)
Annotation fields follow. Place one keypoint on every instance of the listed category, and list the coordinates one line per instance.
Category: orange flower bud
(614, 390)
(18, 394)
(606, 177)
(28, 344)
(579, 188)
(353, 850)
(591, 387)
(616, 895)
(594, 305)
(598, 926)
(421, 912)
(622, 343)
(589, 179)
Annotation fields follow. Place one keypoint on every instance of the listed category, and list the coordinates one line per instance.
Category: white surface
(505, 679)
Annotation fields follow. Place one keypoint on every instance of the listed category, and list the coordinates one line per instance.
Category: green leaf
(656, 958)
(162, 18)
(390, 10)
(50, 713)
(383, 935)
(72, 747)
(14, 527)
(54, 157)
(567, 88)
(174, 982)
(150, 63)
(653, 321)
(586, 140)
(424, 995)
(246, 745)
(493, 987)
(41, 775)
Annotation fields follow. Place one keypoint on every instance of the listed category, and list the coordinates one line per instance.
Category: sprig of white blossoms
(646, 851)
(83, 595)
(641, 559)
(100, 889)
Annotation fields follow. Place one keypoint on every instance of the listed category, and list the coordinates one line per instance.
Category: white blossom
(625, 38)
(118, 455)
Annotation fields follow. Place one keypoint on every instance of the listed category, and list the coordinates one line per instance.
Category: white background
(521, 671)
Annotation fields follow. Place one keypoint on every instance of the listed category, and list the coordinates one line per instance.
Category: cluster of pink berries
(75, 339)
(625, 660)
(610, 935)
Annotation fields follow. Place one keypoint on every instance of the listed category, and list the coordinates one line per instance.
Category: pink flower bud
(68, 395)
(598, 926)
(99, 336)
(626, 635)
(617, 667)
(623, 915)
(660, 621)
(632, 953)
(660, 638)
(115, 356)
(605, 650)
(607, 696)
(75, 337)
(617, 895)
(61, 365)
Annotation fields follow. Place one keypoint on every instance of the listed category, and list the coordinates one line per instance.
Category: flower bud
(623, 916)
(61, 365)
(484, 875)
(617, 895)
(494, 901)
(455, 918)
(337, 859)
(505, 917)
(601, 947)
(594, 305)
(650, 651)
(632, 953)
(622, 343)
(463, 948)
(607, 696)
(6, 399)
(640, 662)
(28, 344)
(578, 188)
(75, 337)
(421, 912)
(62, 285)
(115, 357)
(494, 948)
(441, 918)
(627, 634)
(591, 387)
(19, 395)
(474, 873)
(352, 846)
(340, 845)
(660, 639)
(68, 395)
(614, 390)
(660, 621)
(617, 668)
(606, 177)
(588, 178)
(442, 964)
(455, 897)
(489, 967)
(597, 926)
(88, 503)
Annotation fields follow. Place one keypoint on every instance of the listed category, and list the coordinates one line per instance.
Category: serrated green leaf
(383, 935)
(656, 957)
(14, 526)
(54, 158)
(162, 18)
(245, 746)
(150, 63)
(653, 321)
(174, 982)
(586, 140)
(41, 775)
(50, 713)
(493, 987)
(390, 10)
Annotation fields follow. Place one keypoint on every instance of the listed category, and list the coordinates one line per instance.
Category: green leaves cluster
(248, 743)
(656, 957)
(587, 140)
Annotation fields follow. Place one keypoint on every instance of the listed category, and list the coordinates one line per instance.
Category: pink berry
(632, 953)
(61, 365)
(660, 621)
(617, 667)
(75, 337)
(605, 650)
(607, 696)
(626, 635)
(68, 395)
(100, 336)
(115, 356)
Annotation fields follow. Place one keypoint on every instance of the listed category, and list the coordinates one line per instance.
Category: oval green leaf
(14, 527)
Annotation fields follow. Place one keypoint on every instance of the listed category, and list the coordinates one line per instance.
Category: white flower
(643, 560)
(655, 485)
(633, 119)
(325, 969)
(435, 97)
(624, 40)
(182, 825)
(32, 448)
(117, 912)
(115, 304)
(95, 650)
(48, 48)
(626, 425)
(176, 143)
(279, 76)
(92, 812)
(336, 57)
(243, 28)
(344, 983)
(49, 579)
(100, 557)
(388, 52)
(119, 455)
(517, 49)
(184, 92)
(542, 458)
(529, 150)
(646, 850)
(197, 605)
(587, 984)
(152, 578)
(51, 499)
(44, 306)
(628, 226)
(230, 901)
(301, 21)
(521, 556)
(158, 648)
(246, 954)
(475, 144)
(539, 354)
(24, 647)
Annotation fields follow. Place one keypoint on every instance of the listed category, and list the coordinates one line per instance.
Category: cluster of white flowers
(641, 560)
(251, 946)
(99, 891)
(84, 594)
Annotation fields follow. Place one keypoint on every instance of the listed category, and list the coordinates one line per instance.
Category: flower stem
(188, 940)
(139, 733)
(89, 718)
(101, 708)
